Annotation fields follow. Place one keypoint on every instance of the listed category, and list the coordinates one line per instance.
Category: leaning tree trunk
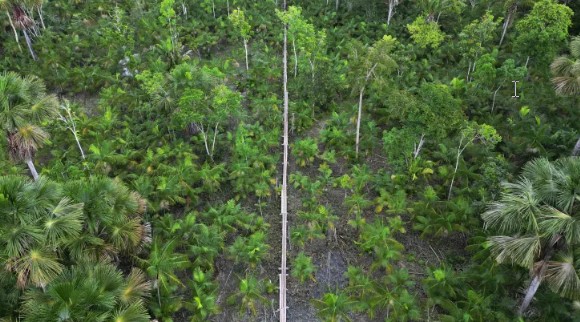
(15, 32)
(392, 4)
(32, 169)
(29, 44)
(538, 276)
(576, 150)
(508, 20)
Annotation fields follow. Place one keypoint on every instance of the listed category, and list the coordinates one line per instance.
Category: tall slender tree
(367, 63)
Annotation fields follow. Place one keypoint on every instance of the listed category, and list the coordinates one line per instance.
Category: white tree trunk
(392, 4)
(246, 50)
(215, 131)
(29, 44)
(534, 284)
(295, 57)
(78, 143)
(358, 119)
(14, 29)
(32, 169)
(576, 150)
(40, 15)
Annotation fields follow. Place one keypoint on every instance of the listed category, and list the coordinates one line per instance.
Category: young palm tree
(334, 307)
(538, 218)
(162, 264)
(24, 104)
(566, 79)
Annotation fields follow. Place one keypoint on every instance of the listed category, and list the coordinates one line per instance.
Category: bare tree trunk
(527, 61)
(507, 22)
(204, 134)
(494, 95)
(246, 50)
(29, 44)
(337, 3)
(284, 196)
(360, 98)
(459, 152)
(538, 276)
(78, 143)
(32, 169)
(295, 57)
(14, 29)
(576, 150)
(40, 15)
(453, 178)
(358, 119)
(534, 284)
(228, 6)
(215, 131)
(392, 4)
(468, 71)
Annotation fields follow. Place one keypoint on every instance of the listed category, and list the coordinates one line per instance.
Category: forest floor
(331, 257)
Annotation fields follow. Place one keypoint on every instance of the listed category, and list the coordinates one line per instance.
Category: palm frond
(575, 47)
(38, 266)
(522, 251)
(566, 85)
(65, 223)
(562, 66)
(563, 277)
(555, 222)
(516, 211)
(26, 141)
(45, 107)
(134, 312)
(136, 286)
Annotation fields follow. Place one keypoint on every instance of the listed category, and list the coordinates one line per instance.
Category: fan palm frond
(37, 266)
(136, 286)
(24, 143)
(65, 223)
(515, 212)
(575, 47)
(555, 222)
(134, 312)
(563, 277)
(521, 251)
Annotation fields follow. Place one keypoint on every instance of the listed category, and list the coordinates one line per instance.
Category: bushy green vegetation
(140, 165)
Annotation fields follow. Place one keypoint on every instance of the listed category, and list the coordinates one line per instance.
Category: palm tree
(89, 291)
(567, 76)
(249, 295)
(24, 104)
(113, 218)
(538, 218)
(334, 307)
(34, 222)
(162, 264)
